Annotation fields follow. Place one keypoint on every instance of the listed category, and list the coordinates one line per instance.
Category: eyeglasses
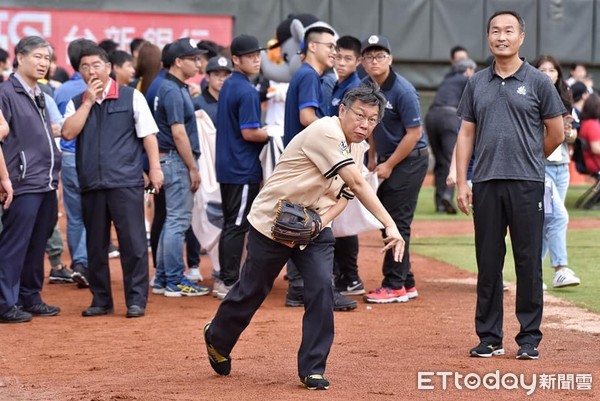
(96, 66)
(331, 46)
(372, 121)
(379, 57)
(191, 58)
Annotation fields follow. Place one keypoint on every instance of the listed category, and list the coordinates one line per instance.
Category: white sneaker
(223, 291)
(194, 274)
(565, 277)
(217, 286)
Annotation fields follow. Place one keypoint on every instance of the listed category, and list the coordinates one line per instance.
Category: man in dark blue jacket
(33, 163)
(113, 124)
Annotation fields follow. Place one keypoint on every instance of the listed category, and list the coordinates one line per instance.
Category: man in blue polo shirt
(305, 104)
(240, 139)
(304, 99)
(179, 149)
(402, 159)
(347, 59)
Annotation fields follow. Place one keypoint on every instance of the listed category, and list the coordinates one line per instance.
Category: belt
(414, 153)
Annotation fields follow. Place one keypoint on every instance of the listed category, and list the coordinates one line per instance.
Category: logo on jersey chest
(344, 149)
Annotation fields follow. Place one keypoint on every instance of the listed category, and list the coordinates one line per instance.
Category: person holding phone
(556, 216)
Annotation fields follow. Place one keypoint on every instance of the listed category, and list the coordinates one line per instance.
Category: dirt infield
(377, 354)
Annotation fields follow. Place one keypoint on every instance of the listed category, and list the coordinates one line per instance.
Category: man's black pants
(518, 205)
(264, 262)
(124, 207)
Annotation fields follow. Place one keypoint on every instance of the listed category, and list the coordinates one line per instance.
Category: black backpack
(578, 146)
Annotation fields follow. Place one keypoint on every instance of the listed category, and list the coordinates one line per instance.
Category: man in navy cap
(240, 139)
(218, 69)
(401, 163)
(179, 151)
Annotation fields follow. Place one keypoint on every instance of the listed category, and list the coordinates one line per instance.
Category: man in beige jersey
(319, 170)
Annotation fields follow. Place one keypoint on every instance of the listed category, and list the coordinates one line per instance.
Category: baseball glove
(293, 224)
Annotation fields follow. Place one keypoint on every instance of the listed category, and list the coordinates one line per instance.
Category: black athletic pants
(264, 262)
(236, 202)
(399, 195)
(345, 267)
(518, 205)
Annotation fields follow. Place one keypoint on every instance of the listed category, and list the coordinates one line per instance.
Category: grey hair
(369, 93)
(29, 44)
(463, 65)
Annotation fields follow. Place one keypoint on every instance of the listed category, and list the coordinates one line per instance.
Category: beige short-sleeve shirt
(306, 172)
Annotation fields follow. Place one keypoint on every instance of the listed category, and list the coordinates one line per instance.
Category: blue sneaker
(158, 285)
(186, 289)
(158, 288)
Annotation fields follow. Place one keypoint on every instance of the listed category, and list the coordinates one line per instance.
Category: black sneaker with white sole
(316, 382)
(61, 275)
(354, 288)
(528, 351)
(486, 350)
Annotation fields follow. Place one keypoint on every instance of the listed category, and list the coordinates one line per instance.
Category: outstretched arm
(367, 196)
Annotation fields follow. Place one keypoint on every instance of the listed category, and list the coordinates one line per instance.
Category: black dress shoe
(42, 309)
(15, 315)
(97, 311)
(135, 311)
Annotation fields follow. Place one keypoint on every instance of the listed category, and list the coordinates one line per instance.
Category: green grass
(426, 209)
(583, 247)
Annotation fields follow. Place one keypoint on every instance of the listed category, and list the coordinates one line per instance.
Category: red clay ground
(377, 353)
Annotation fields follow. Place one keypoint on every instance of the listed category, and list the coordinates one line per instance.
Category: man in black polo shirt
(513, 116)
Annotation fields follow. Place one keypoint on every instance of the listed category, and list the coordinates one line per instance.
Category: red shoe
(385, 295)
(412, 293)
